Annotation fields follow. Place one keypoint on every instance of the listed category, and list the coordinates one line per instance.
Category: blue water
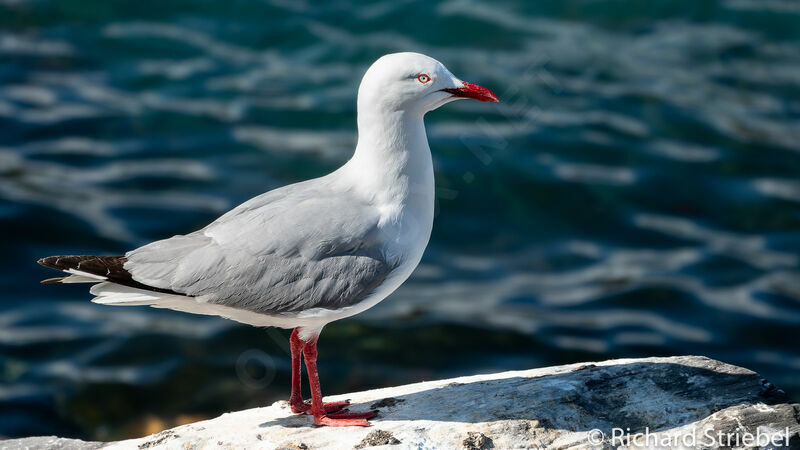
(635, 193)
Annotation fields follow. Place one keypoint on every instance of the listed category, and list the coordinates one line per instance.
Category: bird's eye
(423, 78)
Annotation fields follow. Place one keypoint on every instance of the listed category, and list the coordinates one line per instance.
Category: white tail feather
(79, 279)
(108, 293)
(79, 276)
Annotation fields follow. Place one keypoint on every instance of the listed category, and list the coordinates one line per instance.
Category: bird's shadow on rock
(638, 396)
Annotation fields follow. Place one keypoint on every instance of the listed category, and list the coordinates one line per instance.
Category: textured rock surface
(556, 407)
(49, 442)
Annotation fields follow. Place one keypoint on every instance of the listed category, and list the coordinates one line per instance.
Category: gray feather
(303, 246)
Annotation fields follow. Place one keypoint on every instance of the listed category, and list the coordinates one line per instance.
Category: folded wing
(286, 251)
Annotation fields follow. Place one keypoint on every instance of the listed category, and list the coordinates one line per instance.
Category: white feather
(78, 279)
(108, 293)
(81, 275)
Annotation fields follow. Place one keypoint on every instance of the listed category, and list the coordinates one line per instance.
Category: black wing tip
(110, 267)
(64, 262)
(49, 261)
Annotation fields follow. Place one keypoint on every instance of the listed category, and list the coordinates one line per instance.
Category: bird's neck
(392, 162)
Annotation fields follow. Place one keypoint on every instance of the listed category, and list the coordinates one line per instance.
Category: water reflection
(634, 194)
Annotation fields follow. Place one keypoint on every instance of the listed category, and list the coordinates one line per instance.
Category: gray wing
(291, 249)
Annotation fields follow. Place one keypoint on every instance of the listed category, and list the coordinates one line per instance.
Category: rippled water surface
(636, 192)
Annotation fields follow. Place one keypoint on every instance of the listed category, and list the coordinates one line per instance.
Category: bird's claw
(345, 419)
(330, 407)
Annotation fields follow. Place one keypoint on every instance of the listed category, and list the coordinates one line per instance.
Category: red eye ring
(423, 78)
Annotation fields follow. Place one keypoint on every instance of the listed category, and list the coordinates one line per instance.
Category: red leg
(296, 398)
(321, 417)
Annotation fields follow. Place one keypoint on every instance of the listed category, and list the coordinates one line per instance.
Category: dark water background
(635, 194)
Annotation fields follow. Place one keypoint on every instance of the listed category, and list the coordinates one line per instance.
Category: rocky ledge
(688, 401)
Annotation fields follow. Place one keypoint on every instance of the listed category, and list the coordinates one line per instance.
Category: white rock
(556, 407)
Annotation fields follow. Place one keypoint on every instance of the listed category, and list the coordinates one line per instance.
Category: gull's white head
(414, 83)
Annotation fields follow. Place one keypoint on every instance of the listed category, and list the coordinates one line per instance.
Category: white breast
(406, 207)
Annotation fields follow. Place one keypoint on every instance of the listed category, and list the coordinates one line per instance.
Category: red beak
(473, 91)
